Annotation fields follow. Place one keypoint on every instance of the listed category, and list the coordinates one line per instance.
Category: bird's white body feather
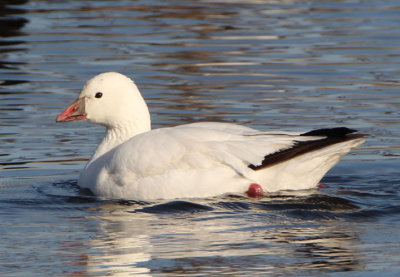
(192, 160)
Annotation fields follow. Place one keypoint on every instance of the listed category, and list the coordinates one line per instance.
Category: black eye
(98, 95)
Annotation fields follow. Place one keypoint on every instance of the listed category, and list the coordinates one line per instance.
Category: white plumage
(193, 160)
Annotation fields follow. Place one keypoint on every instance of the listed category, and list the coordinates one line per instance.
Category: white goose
(193, 160)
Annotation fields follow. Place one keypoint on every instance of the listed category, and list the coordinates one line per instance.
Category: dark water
(293, 65)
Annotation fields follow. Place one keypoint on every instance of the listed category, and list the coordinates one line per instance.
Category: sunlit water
(293, 65)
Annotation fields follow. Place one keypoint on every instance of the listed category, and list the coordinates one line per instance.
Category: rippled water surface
(293, 65)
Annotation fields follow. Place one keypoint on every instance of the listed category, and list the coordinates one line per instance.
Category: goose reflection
(121, 243)
(207, 237)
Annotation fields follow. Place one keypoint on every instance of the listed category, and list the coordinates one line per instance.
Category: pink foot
(321, 186)
(255, 190)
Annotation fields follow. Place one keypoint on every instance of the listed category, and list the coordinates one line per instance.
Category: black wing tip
(338, 132)
(330, 136)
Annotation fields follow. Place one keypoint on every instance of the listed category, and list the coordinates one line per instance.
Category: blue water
(293, 65)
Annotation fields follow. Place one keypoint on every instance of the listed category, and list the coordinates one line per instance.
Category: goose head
(110, 99)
